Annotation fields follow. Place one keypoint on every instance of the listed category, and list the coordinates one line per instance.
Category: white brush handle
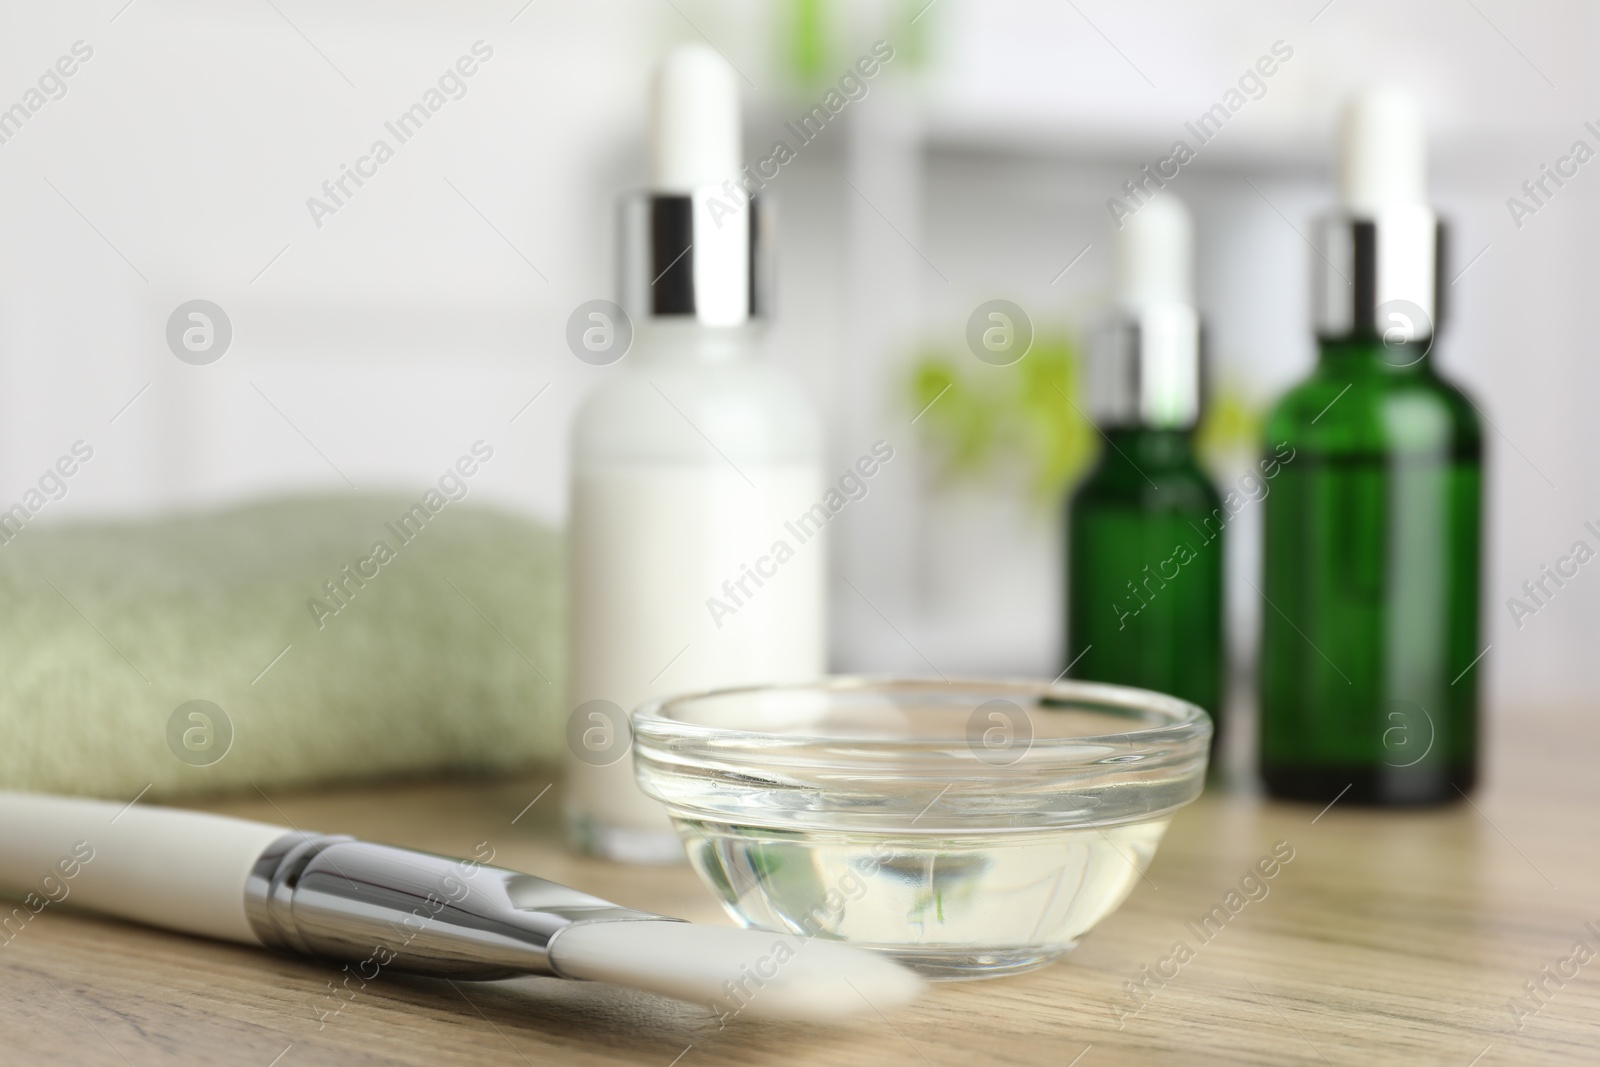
(377, 906)
(183, 870)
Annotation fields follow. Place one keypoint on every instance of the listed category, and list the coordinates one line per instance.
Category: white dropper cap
(1155, 255)
(695, 133)
(1383, 151)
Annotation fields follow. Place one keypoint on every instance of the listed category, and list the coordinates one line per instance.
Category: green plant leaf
(979, 419)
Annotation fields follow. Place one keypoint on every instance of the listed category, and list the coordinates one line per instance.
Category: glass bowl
(968, 828)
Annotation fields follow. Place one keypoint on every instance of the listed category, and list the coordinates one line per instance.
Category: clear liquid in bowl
(950, 906)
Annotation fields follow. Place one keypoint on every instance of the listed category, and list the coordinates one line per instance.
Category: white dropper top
(1155, 255)
(1383, 150)
(695, 137)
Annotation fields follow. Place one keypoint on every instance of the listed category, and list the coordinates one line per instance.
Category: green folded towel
(331, 658)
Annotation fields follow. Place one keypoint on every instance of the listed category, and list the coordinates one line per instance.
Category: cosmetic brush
(383, 908)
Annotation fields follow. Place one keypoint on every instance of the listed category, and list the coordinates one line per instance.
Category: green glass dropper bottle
(1144, 529)
(1369, 655)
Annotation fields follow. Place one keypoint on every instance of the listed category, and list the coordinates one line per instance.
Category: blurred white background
(372, 350)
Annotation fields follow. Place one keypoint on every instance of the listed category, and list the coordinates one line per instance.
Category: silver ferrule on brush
(1377, 274)
(1144, 368)
(699, 256)
(343, 899)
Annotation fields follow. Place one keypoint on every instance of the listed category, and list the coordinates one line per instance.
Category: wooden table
(1388, 938)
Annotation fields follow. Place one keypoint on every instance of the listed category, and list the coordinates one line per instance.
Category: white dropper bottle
(689, 467)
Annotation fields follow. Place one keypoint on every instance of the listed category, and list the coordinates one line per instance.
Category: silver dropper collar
(1377, 274)
(700, 256)
(1144, 368)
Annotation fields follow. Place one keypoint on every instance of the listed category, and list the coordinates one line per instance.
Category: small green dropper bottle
(1369, 651)
(1144, 529)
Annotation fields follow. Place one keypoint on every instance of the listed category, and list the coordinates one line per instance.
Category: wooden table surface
(1388, 938)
